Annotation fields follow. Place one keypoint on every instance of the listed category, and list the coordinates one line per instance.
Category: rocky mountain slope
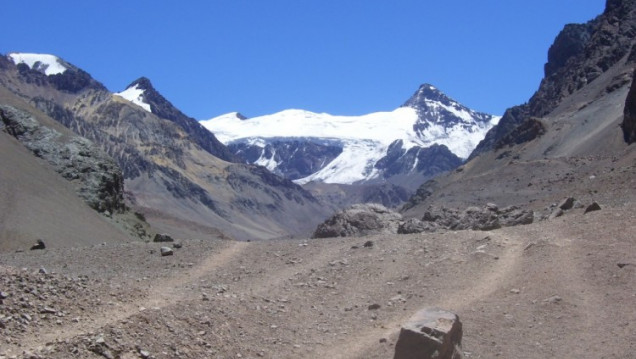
(567, 140)
(169, 163)
(56, 186)
(429, 134)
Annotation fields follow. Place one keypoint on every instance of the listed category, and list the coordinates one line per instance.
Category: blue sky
(343, 57)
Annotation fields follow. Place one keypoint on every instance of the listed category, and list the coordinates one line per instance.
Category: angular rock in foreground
(430, 333)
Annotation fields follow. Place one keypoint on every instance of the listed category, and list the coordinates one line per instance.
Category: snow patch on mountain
(135, 95)
(47, 64)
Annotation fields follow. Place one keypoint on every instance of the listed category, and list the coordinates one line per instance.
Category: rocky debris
(629, 114)
(166, 251)
(360, 220)
(414, 225)
(592, 207)
(31, 301)
(375, 219)
(430, 333)
(39, 244)
(556, 210)
(163, 237)
(97, 178)
(485, 218)
(368, 244)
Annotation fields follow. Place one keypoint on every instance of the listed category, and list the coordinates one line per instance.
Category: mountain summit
(429, 134)
(143, 94)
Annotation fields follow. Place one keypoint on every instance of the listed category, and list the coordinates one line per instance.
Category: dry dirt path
(163, 293)
(357, 346)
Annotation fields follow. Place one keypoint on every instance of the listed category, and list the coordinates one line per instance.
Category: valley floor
(564, 288)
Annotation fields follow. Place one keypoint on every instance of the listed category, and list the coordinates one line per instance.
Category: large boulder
(360, 220)
(430, 333)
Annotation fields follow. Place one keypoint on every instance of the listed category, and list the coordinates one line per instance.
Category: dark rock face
(579, 55)
(569, 43)
(295, 158)
(430, 333)
(428, 161)
(629, 119)
(359, 220)
(99, 181)
(164, 109)
(526, 131)
(73, 80)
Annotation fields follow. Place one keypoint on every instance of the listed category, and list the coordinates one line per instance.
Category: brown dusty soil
(564, 288)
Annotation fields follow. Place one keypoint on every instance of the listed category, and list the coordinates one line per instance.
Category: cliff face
(580, 54)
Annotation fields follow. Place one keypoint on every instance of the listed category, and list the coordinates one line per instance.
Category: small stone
(554, 299)
(374, 306)
(620, 265)
(382, 340)
(177, 245)
(4, 295)
(144, 354)
(566, 204)
(39, 244)
(592, 207)
(163, 237)
(166, 251)
(515, 291)
(43, 271)
(48, 310)
(368, 244)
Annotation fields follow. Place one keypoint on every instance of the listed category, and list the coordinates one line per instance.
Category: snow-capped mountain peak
(44, 63)
(135, 94)
(308, 146)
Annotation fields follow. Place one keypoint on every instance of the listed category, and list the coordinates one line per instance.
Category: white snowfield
(48, 64)
(135, 95)
(365, 139)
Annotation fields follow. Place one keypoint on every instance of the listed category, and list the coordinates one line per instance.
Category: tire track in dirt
(358, 346)
(163, 293)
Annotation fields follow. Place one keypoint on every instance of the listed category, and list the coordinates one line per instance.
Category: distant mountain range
(429, 134)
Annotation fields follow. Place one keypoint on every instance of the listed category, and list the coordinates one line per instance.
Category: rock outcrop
(360, 220)
(96, 177)
(629, 119)
(430, 333)
(579, 55)
(484, 218)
